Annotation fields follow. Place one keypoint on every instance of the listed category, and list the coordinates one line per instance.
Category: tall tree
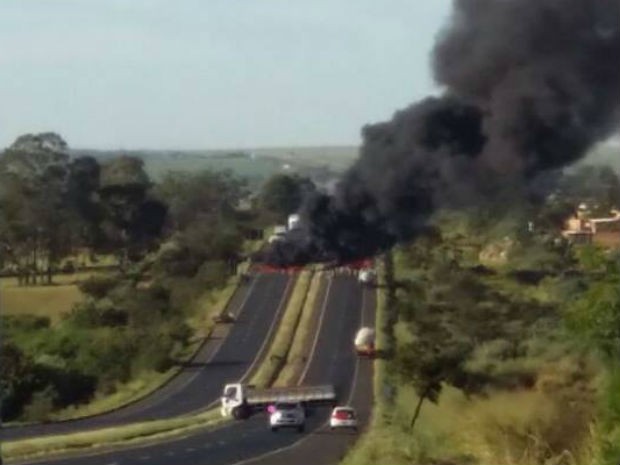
(283, 194)
(34, 172)
(84, 201)
(133, 220)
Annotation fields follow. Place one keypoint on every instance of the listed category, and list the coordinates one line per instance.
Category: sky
(196, 74)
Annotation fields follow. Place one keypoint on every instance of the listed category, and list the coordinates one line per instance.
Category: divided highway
(332, 360)
(227, 356)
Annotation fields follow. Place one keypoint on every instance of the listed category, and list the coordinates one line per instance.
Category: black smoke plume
(528, 87)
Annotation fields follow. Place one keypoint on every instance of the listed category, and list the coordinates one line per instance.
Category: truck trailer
(241, 401)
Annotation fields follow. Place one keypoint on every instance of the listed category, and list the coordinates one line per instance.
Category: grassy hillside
(496, 341)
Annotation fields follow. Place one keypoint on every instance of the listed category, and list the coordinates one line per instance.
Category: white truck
(241, 401)
(294, 221)
(364, 342)
(280, 230)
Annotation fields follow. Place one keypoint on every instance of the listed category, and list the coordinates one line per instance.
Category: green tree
(283, 194)
(84, 201)
(206, 196)
(133, 220)
(16, 372)
(36, 231)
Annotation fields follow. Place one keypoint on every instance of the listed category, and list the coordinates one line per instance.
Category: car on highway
(343, 417)
(287, 415)
(367, 277)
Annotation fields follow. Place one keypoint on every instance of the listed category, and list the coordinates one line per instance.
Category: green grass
(51, 301)
(296, 359)
(115, 436)
(125, 393)
(279, 349)
(48, 301)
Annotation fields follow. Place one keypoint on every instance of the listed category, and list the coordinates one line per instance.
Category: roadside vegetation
(124, 435)
(109, 279)
(500, 341)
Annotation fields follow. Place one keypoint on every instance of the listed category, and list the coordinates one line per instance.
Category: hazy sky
(211, 73)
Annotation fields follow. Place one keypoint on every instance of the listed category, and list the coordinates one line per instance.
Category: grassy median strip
(277, 355)
(296, 359)
(114, 436)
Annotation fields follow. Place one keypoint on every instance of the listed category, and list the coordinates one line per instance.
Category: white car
(343, 417)
(287, 415)
(367, 276)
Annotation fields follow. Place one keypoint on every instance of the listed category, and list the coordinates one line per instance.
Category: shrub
(99, 286)
(102, 313)
(25, 322)
(41, 405)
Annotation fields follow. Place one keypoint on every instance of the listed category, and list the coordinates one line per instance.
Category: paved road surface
(333, 361)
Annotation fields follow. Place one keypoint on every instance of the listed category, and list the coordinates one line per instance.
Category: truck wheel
(301, 428)
(274, 429)
(241, 412)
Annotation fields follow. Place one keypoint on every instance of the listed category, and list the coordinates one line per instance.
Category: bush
(103, 313)
(41, 405)
(99, 286)
(213, 274)
(25, 322)
(154, 354)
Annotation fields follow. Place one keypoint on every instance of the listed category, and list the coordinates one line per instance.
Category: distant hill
(321, 162)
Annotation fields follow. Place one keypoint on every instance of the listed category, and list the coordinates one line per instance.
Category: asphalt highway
(229, 354)
(331, 360)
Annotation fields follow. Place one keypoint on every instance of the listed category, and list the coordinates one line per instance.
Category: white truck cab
(233, 399)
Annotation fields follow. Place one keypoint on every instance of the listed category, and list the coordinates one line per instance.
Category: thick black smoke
(529, 86)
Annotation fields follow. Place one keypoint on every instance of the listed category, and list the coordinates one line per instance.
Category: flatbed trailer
(240, 401)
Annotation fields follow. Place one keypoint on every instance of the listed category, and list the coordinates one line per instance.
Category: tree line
(173, 239)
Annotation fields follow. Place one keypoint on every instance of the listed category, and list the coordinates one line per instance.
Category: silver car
(287, 415)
